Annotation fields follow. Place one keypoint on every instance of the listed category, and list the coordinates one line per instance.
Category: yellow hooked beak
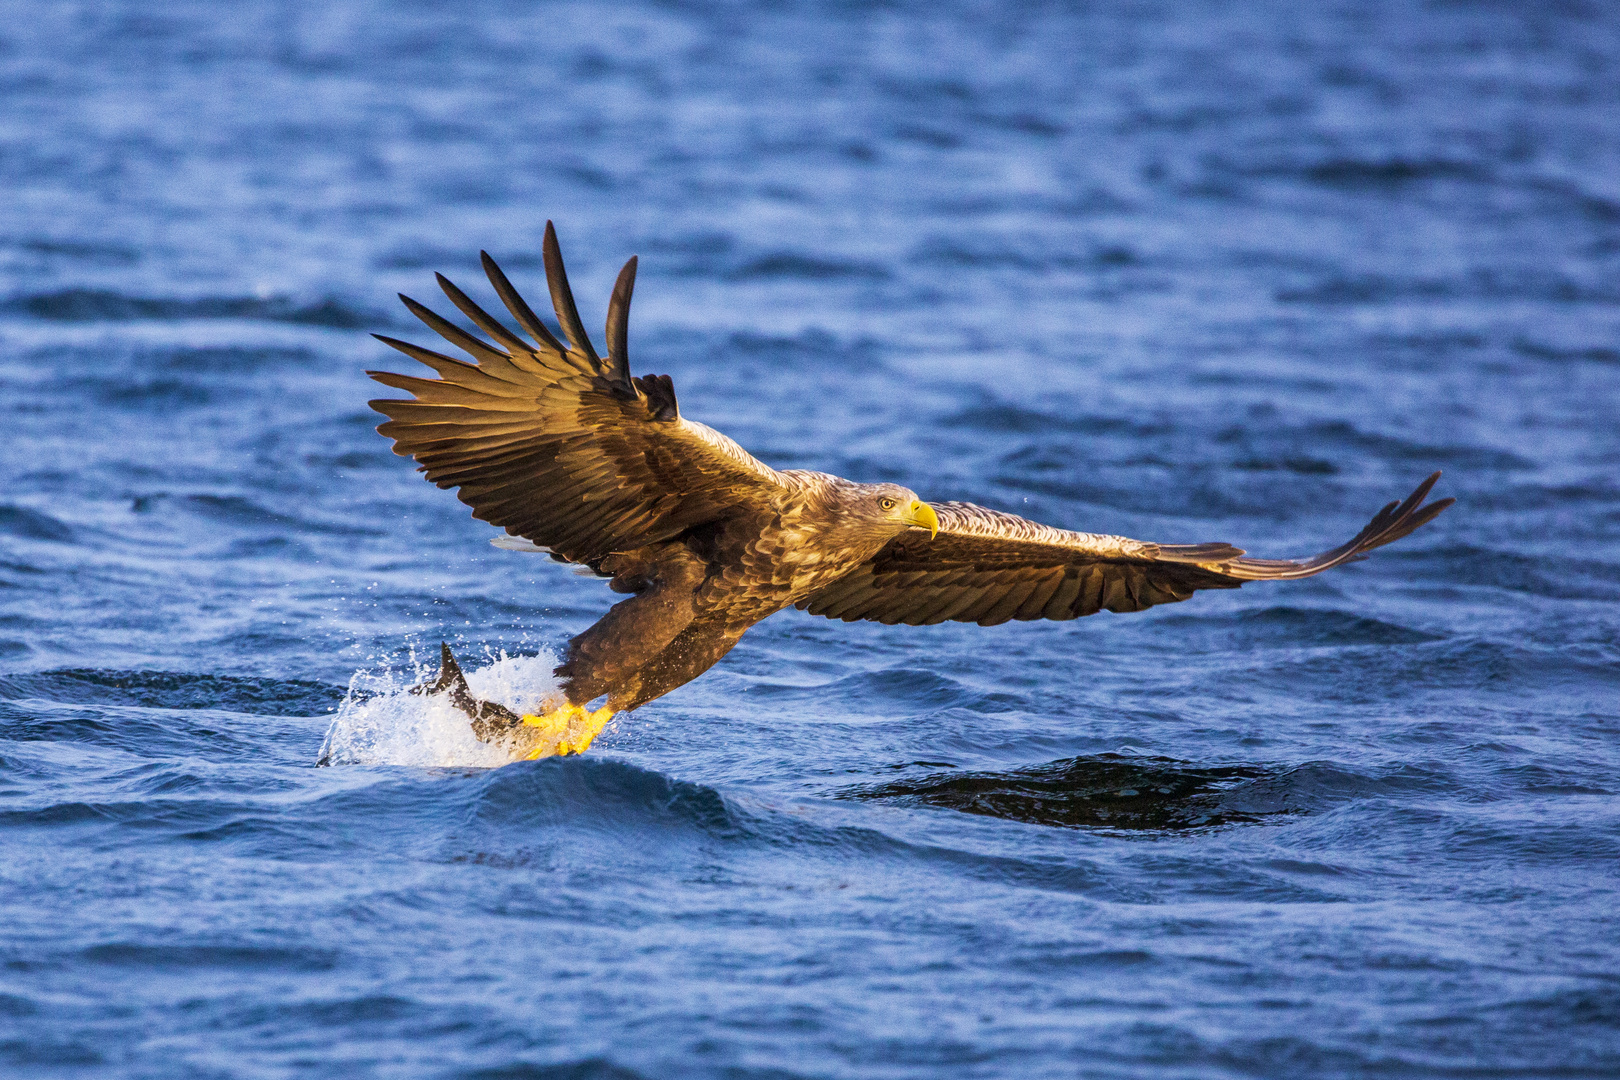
(920, 515)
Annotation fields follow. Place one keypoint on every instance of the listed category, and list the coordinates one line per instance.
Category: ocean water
(1237, 272)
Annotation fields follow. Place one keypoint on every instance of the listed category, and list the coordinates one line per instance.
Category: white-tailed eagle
(574, 456)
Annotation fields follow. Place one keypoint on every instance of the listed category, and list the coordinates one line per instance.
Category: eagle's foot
(568, 729)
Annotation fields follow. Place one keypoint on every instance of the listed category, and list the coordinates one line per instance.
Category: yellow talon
(569, 729)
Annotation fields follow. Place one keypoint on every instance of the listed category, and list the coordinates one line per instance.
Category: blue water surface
(1237, 272)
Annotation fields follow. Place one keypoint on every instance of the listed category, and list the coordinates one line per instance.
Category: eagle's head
(889, 510)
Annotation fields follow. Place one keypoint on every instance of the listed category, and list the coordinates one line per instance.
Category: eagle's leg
(635, 631)
(694, 650)
(614, 650)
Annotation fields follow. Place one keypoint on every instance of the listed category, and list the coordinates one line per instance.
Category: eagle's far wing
(555, 444)
(987, 567)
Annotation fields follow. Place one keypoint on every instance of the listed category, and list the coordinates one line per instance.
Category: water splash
(381, 723)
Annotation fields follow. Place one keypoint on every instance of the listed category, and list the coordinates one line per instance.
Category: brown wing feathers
(520, 309)
(562, 302)
(570, 451)
(553, 442)
(988, 567)
(1388, 525)
(618, 327)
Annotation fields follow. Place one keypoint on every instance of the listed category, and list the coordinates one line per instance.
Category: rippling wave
(1185, 273)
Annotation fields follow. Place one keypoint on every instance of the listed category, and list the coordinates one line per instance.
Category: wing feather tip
(518, 543)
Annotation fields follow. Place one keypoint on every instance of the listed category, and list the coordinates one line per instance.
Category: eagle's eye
(887, 504)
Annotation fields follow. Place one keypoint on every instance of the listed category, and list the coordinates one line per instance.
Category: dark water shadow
(1108, 791)
(174, 690)
(95, 305)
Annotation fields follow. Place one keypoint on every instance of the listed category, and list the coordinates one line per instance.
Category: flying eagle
(575, 457)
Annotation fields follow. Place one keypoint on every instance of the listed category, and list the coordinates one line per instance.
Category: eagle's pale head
(877, 513)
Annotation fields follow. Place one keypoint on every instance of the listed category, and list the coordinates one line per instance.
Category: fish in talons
(560, 730)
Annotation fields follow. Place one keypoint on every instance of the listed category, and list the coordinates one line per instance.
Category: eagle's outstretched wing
(987, 567)
(555, 444)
